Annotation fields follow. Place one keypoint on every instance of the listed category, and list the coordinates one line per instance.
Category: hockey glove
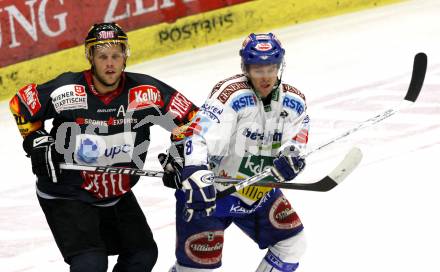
(172, 164)
(40, 146)
(288, 164)
(199, 191)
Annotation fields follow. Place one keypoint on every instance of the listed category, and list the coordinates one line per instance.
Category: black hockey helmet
(106, 33)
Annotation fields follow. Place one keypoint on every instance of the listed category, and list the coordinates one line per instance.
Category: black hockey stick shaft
(415, 86)
(414, 89)
(418, 77)
(344, 168)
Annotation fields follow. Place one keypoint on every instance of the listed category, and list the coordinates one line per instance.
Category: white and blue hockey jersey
(238, 136)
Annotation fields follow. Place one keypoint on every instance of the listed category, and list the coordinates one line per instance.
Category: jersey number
(189, 147)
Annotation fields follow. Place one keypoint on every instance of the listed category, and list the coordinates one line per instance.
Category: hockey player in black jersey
(100, 116)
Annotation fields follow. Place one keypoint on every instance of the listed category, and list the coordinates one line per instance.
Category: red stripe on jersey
(302, 136)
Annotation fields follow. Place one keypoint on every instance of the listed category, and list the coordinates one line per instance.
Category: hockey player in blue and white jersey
(249, 122)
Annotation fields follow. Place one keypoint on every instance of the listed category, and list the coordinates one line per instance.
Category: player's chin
(111, 79)
(264, 91)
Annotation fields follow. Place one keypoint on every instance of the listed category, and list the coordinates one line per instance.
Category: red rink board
(33, 28)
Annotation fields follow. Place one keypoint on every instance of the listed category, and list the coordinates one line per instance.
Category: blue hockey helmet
(261, 49)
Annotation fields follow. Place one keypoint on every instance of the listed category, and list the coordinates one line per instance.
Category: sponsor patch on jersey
(144, 96)
(212, 112)
(282, 215)
(251, 166)
(110, 122)
(231, 89)
(243, 101)
(179, 106)
(293, 103)
(104, 150)
(254, 193)
(271, 137)
(291, 89)
(237, 208)
(29, 97)
(220, 84)
(205, 247)
(69, 97)
(104, 185)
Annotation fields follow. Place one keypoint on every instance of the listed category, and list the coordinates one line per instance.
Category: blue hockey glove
(40, 146)
(199, 191)
(288, 164)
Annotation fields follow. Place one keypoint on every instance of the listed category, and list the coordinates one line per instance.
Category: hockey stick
(418, 75)
(344, 168)
(113, 170)
(415, 86)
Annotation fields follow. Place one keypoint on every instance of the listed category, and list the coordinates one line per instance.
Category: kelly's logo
(144, 96)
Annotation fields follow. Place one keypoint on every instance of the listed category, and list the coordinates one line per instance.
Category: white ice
(384, 217)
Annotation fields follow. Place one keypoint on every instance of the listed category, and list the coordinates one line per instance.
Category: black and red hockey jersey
(95, 129)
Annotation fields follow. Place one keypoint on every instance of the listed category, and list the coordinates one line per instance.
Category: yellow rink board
(185, 34)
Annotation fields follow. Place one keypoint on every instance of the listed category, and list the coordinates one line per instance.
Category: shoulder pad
(221, 84)
(230, 87)
(141, 78)
(29, 97)
(68, 77)
(291, 89)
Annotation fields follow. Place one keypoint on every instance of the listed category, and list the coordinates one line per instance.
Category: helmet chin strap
(280, 75)
(283, 64)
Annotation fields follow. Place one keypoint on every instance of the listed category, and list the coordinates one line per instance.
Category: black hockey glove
(172, 164)
(288, 164)
(40, 147)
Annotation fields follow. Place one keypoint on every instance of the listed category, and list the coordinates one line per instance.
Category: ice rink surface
(384, 217)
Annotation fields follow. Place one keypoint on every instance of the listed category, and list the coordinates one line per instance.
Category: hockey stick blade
(415, 86)
(418, 76)
(339, 174)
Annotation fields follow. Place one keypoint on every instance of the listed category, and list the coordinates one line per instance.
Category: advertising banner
(33, 28)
